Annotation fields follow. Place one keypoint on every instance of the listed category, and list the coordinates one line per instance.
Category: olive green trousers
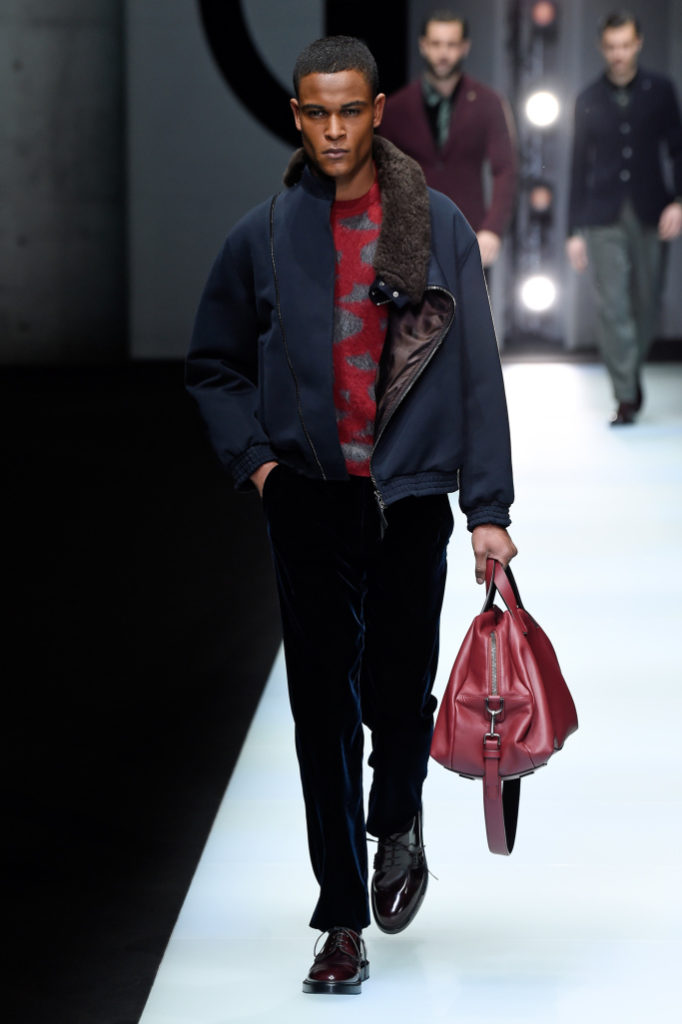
(626, 259)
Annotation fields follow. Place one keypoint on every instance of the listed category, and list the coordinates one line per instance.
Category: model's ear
(296, 110)
(379, 104)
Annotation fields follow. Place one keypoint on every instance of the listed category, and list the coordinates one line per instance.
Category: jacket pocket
(271, 482)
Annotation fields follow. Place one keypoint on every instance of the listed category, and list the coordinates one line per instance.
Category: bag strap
(501, 580)
(500, 798)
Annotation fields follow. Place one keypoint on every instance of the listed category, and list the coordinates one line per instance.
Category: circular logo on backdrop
(250, 79)
(244, 69)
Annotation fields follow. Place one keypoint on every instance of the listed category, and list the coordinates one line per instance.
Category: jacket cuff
(248, 462)
(495, 226)
(489, 515)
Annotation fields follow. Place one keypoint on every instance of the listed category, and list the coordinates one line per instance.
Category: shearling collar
(404, 246)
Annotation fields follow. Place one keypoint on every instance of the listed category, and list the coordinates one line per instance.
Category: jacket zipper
(377, 492)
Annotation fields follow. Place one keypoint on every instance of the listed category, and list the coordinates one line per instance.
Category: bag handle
(501, 580)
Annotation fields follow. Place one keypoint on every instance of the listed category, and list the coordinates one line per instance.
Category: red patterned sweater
(359, 326)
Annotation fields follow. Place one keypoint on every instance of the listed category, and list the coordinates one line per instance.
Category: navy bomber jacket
(260, 359)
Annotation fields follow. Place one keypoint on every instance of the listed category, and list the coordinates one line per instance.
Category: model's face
(336, 116)
(620, 49)
(443, 48)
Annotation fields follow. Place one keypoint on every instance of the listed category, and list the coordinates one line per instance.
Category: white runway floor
(584, 921)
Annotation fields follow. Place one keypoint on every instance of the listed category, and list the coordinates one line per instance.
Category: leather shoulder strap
(500, 801)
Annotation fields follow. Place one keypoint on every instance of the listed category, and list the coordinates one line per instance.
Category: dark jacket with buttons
(616, 151)
(260, 360)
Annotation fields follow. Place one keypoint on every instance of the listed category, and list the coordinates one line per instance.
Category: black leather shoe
(624, 414)
(341, 966)
(400, 878)
(639, 401)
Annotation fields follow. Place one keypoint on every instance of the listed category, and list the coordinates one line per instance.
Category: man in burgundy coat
(453, 125)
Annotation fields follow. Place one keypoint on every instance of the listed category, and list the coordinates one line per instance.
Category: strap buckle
(493, 712)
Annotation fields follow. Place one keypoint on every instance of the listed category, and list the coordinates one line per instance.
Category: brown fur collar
(404, 246)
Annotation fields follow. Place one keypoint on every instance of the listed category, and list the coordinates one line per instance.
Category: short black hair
(337, 53)
(619, 18)
(443, 14)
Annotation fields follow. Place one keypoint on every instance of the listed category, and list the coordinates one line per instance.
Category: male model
(345, 364)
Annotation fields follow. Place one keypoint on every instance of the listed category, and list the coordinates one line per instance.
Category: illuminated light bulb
(542, 109)
(538, 293)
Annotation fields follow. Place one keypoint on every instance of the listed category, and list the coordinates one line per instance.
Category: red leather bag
(506, 708)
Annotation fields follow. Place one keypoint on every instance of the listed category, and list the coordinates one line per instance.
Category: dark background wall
(62, 198)
(197, 159)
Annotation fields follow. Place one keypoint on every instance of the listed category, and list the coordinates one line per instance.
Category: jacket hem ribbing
(488, 515)
(248, 462)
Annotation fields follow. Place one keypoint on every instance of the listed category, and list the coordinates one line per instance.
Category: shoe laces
(387, 855)
(337, 942)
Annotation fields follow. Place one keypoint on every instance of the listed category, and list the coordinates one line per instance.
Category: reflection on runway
(583, 921)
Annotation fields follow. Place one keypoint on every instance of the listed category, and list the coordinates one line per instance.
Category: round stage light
(542, 109)
(538, 293)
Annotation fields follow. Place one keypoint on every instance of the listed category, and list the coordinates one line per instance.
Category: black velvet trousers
(360, 618)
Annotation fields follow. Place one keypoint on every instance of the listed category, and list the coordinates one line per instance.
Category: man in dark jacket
(454, 126)
(344, 361)
(620, 209)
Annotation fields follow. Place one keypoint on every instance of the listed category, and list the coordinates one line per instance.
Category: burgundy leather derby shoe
(341, 966)
(400, 878)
